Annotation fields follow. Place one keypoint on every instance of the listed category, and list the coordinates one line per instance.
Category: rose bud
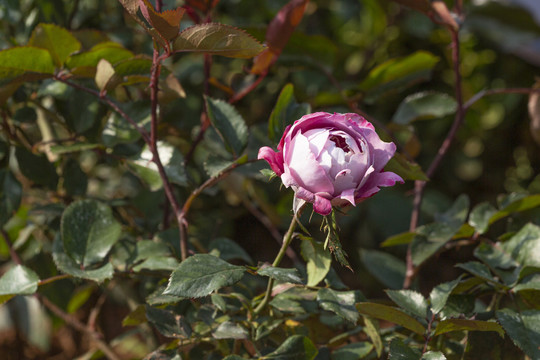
(332, 160)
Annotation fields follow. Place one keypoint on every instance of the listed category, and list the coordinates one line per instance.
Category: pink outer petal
(381, 151)
(273, 158)
(376, 180)
(322, 205)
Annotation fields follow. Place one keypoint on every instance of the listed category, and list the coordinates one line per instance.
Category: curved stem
(287, 239)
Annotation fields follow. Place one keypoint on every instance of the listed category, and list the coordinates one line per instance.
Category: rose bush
(332, 160)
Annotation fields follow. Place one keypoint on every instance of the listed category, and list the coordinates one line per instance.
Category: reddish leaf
(167, 23)
(203, 5)
(278, 33)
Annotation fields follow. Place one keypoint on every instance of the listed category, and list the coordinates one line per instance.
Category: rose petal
(382, 151)
(375, 181)
(304, 168)
(322, 205)
(274, 159)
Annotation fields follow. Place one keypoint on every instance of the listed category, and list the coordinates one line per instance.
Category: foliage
(133, 211)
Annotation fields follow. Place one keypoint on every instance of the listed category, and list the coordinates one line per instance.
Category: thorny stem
(419, 185)
(428, 333)
(287, 239)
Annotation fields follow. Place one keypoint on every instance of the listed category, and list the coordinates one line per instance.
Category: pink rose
(332, 160)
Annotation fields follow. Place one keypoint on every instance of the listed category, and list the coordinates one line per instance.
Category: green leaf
(75, 180)
(71, 148)
(67, 265)
(480, 216)
(392, 315)
(433, 355)
(172, 160)
(479, 270)
(295, 347)
(354, 351)
(371, 328)
(25, 64)
(36, 168)
(87, 61)
(228, 249)
(230, 330)
(449, 325)
(519, 205)
(387, 268)
(217, 39)
(400, 351)
(399, 239)
(88, 230)
(200, 275)
(531, 282)
(524, 246)
(523, 328)
(229, 124)
(285, 112)
(168, 323)
(339, 302)
(408, 170)
(440, 293)
(500, 262)
(104, 73)
(215, 165)
(18, 280)
(10, 195)
(58, 41)
(281, 275)
(409, 300)
(318, 261)
(396, 74)
(424, 105)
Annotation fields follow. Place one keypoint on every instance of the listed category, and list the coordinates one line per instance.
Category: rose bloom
(332, 160)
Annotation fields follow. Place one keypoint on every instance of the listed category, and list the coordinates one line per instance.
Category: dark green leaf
(157, 263)
(281, 275)
(424, 105)
(449, 325)
(75, 180)
(400, 351)
(227, 249)
(409, 300)
(479, 270)
(531, 282)
(229, 124)
(500, 262)
(353, 351)
(480, 216)
(215, 165)
(67, 265)
(88, 230)
(457, 214)
(285, 112)
(230, 330)
(200, 275)
(217, 39)
(387, 268)
(523, 328)
(10, 195)
(18, 280)
(318, 261)
(58, 41)
(392, 315)
(339, 302)
(458, 305)
(440, 293)
(296, 347)
(168, 323)
(36, 168)
(525, 246)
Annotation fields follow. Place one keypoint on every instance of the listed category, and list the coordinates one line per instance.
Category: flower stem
(287, 239)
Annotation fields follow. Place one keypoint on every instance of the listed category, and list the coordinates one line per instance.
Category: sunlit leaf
(392, 315)
(318, 261)
(25, 63)
(400, 351)
(424, 105)
(523, 328)
(440, 293)
(230, 330)
(285, 112)
(294, 348)
(58, 41)
(480, 216)
(449, 325)
(280, 274)
(524, 246)
(217, 39)
(409, 300)
(88, 230)
(18, 280)
(339, 302)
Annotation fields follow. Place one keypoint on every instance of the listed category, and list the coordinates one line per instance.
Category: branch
(420, 185)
